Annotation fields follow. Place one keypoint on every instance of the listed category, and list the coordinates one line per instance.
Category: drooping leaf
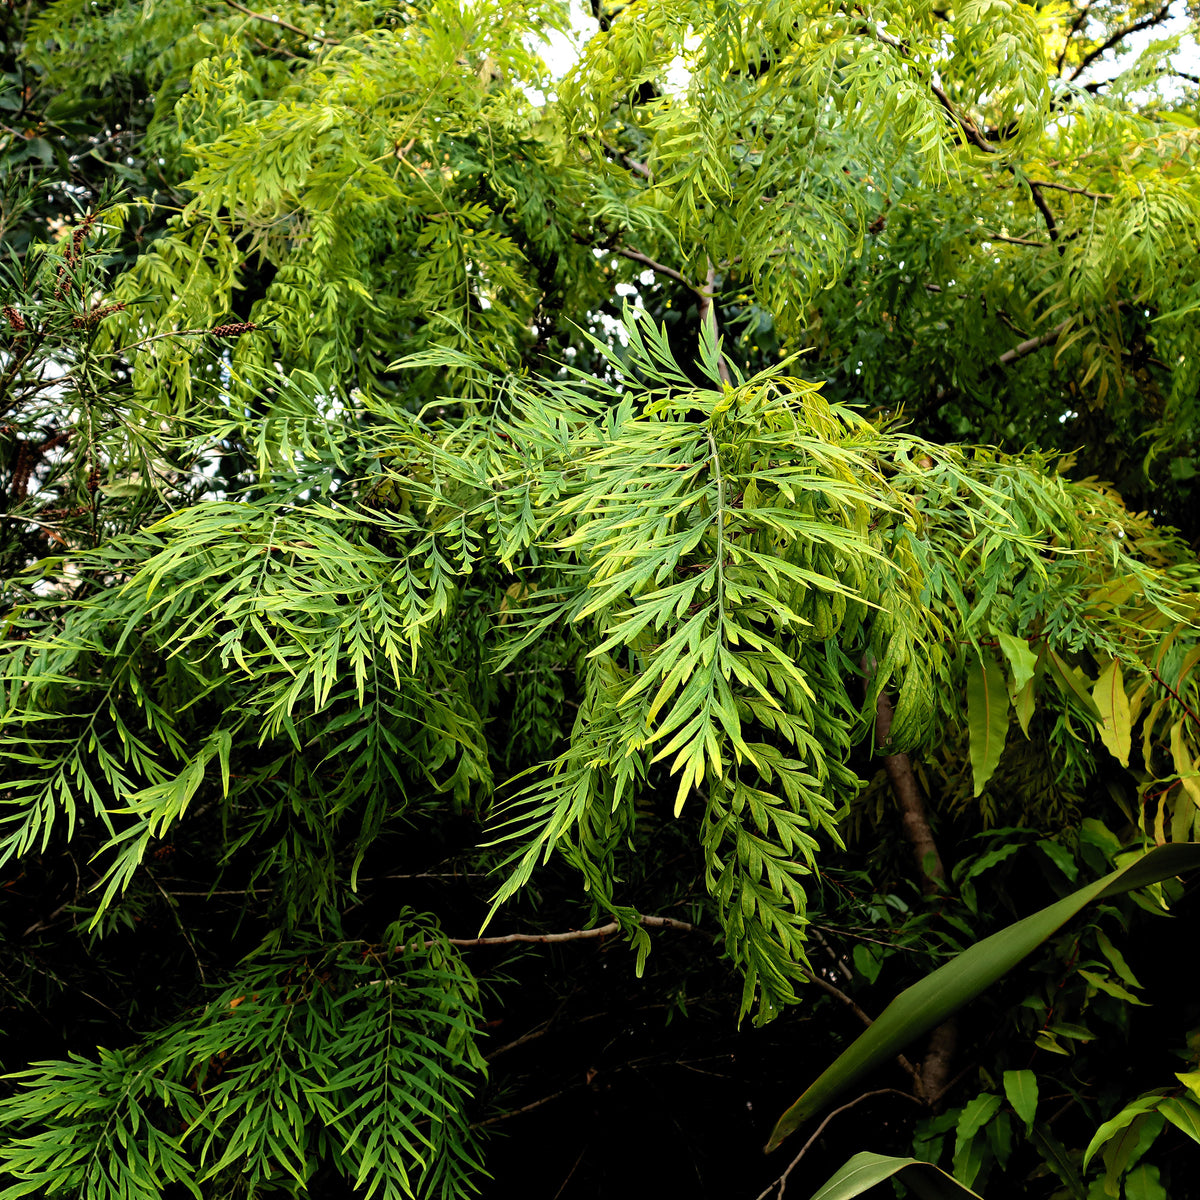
(929, 1002)
(1109, 695)
(975, 1115)
(1183, 1114)
(866, 1170)
(1117, 1124)
(1022, 661)
(1021, 1088)
(987, 717)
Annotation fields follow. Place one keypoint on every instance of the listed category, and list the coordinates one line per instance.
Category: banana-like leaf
(931, 1000)
(865, 1170)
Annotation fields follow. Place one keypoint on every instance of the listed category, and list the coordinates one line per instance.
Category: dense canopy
(537, 602)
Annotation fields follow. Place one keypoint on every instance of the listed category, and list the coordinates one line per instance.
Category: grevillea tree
(453, 510)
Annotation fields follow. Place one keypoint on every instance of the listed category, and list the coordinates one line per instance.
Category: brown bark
(935, 1068)
(913, 816)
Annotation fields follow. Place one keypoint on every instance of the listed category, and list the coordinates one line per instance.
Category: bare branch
(1155, 18)
(1078, 191)
(1012, 241)
(970, 131)
(1044, 209)
(841, 996)
(573, 935)
(782, 1181)
(1076, 26)
(312, 37)
(1035, 343)
(913, 816)
(660, 268)
(516, 1112)
(708, 314)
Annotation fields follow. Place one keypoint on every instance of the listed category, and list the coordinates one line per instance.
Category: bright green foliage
(421, 461)
(338, 1049)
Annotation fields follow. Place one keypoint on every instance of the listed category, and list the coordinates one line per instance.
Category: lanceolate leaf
(1073, 683)
(1123, 1120)
(864, 1171)
(1110, 698)
(1022, 660)
(987, 717)
(929, 1002)
(1183, 1114)
(1021, 1088)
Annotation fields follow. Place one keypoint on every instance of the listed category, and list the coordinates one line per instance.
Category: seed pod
(15, 320)
(88, 319)
(81, 232)
(233, 329)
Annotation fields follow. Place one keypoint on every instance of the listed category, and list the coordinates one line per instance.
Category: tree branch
(1035, 343)
(1012, 241)
(781, 1182)
(1076, 26)
(574, 935)
(1044, 209)
(841, 996)
(1078, 191)
(708, 314)
(930, 1079)
(312, 37)
(638, 257)
(971, 132)
(1155, 18)
(913, 817)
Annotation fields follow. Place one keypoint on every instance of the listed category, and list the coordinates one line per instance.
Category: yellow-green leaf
(1114, 728)
(987, 717)
(1185, 768)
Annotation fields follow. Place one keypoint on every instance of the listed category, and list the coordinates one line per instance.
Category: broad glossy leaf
(864, 1171)
(930, 1001)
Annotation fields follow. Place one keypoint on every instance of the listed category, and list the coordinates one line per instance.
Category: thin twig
(312, 37)
(1178, 698)
(516, 1112)
(171, 907)
(1035, 343)
(838, 994)
(970, 131)
(1044, 209)
(838, 960)
(660, 268)
(1012, 241)
(708, 314)
(1155, 18)
(1076, 26)
(573, 935)
(1078, 191)
(781, 1182)
(571, 1172)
